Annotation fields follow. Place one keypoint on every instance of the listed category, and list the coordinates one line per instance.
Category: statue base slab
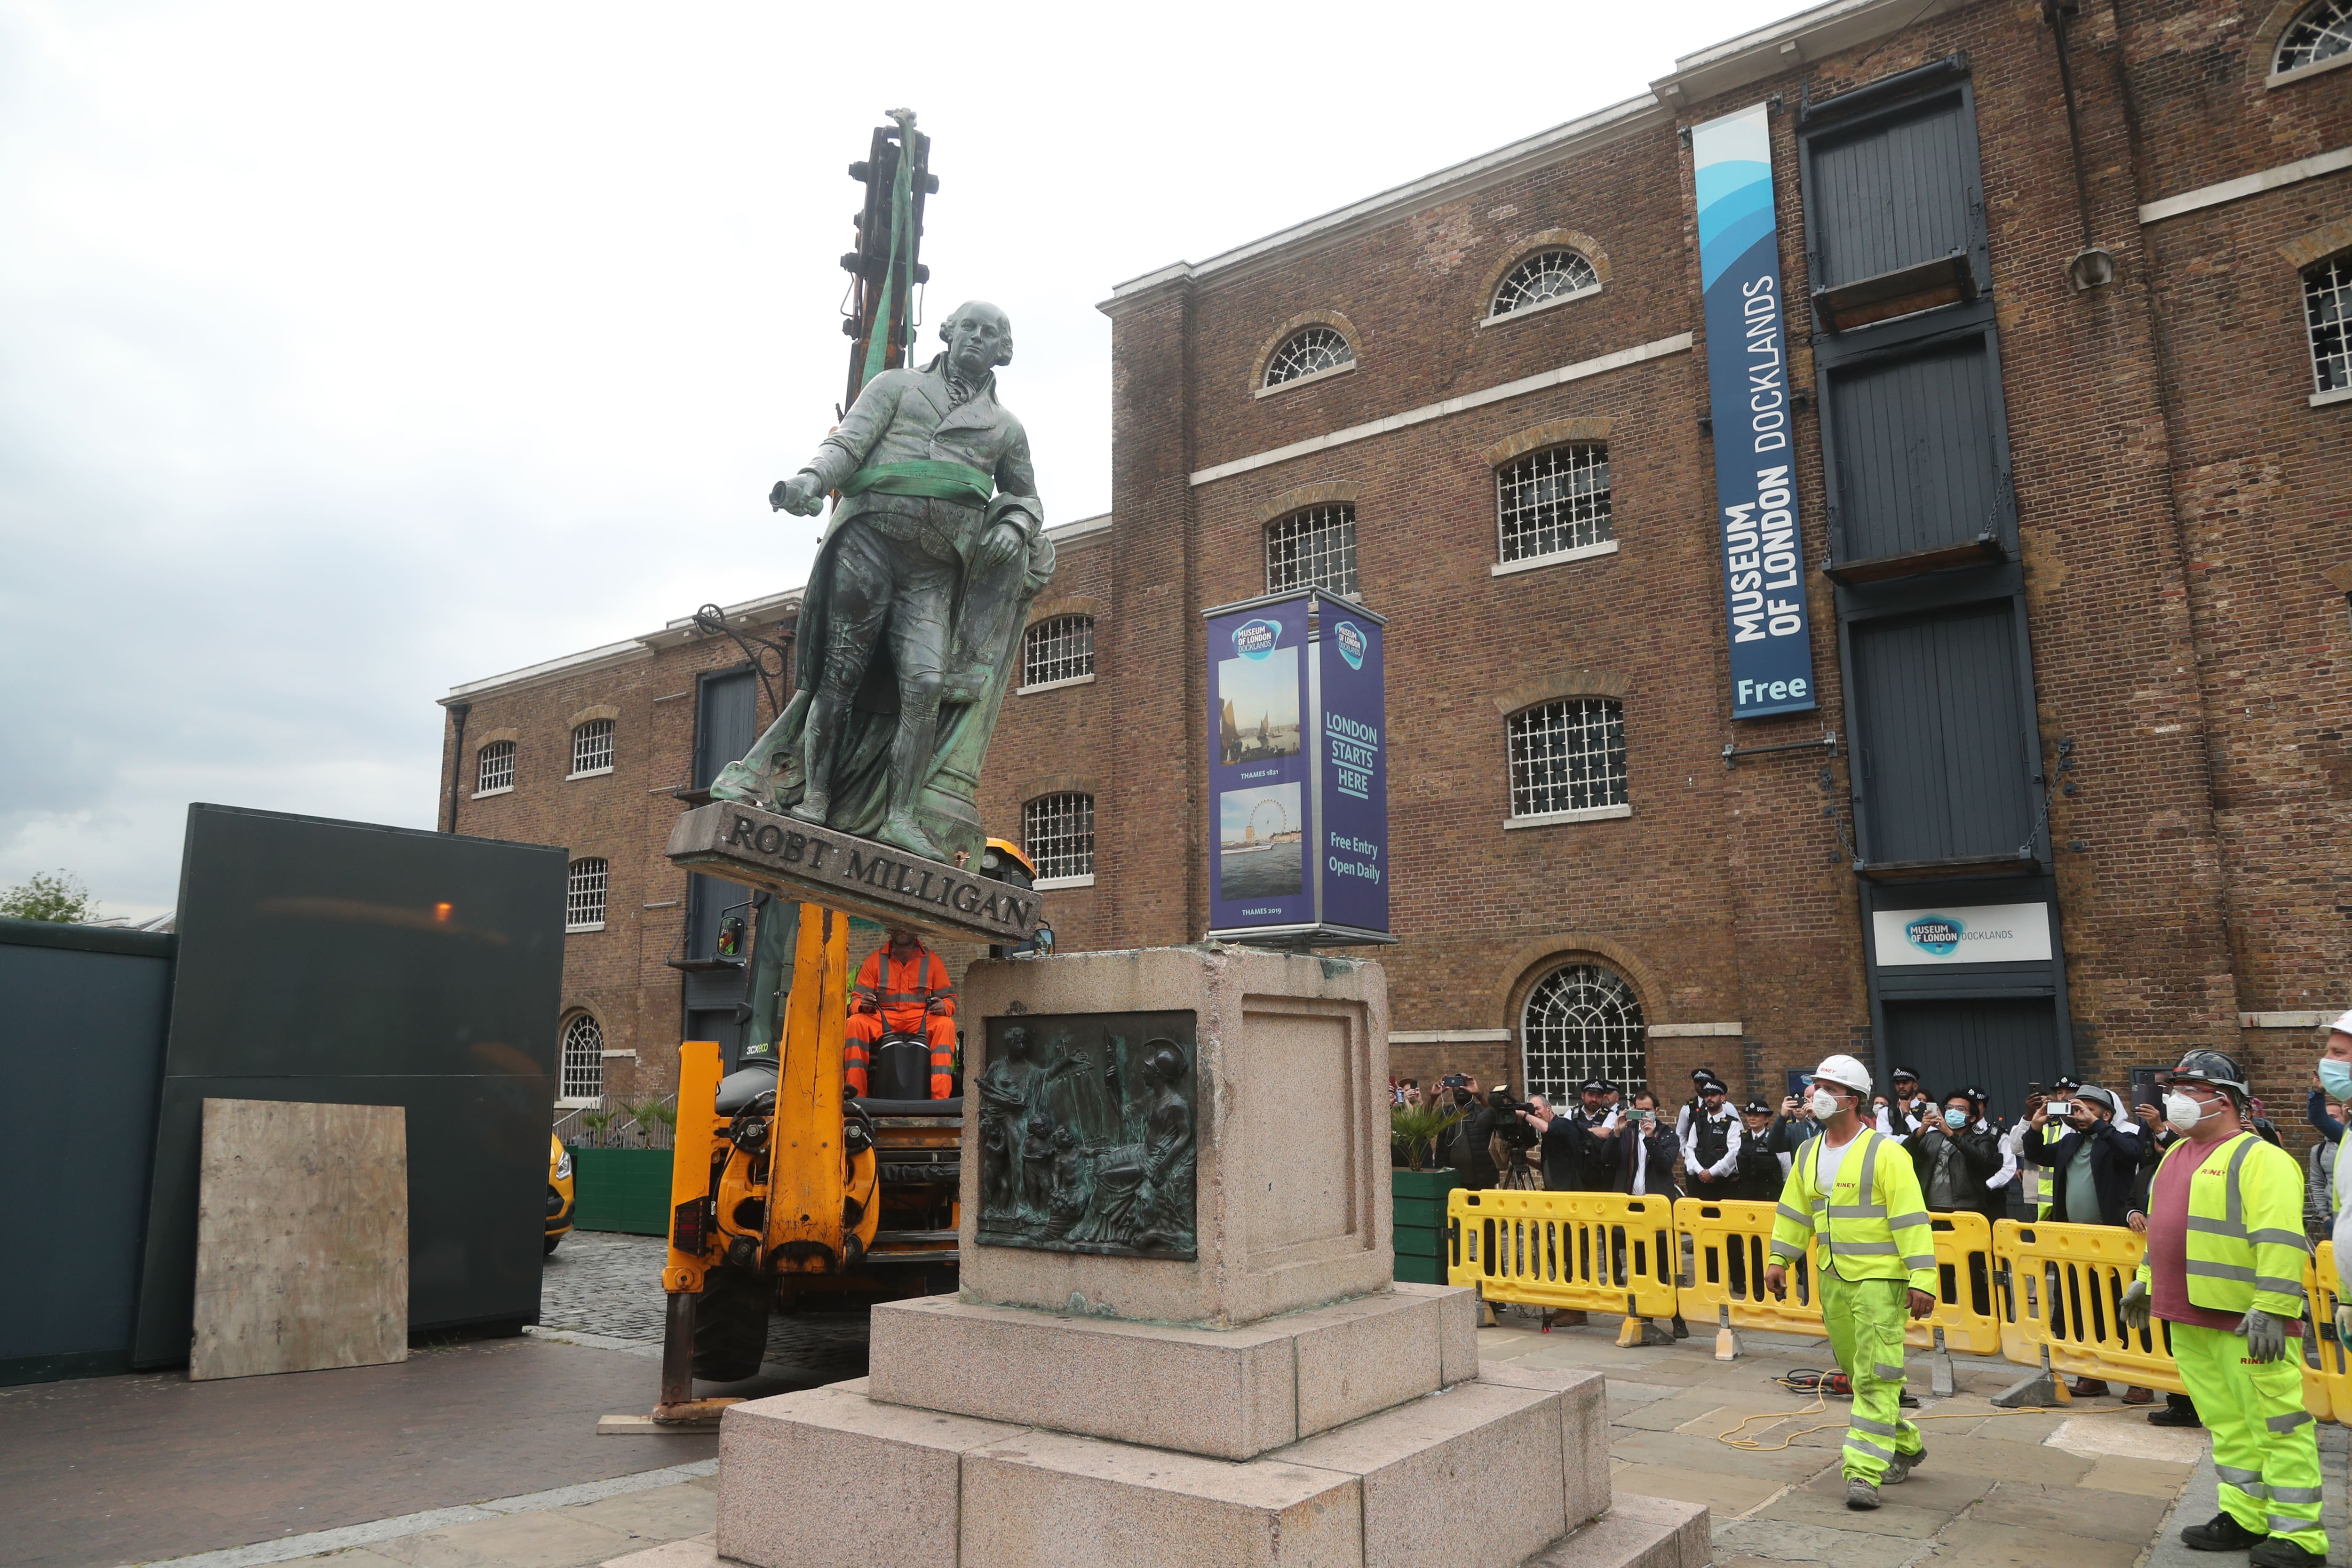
(800, 861)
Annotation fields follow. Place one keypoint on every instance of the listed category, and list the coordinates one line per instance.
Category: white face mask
(1824, 1104)
(2182, 1111)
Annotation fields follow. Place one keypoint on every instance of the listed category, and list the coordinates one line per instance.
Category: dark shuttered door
(1916, 443)
(1997, 1044)
(1943, 746)
(725, 719)
(1894, 194)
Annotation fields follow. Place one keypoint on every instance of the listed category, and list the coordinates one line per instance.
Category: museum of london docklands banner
(1297, 771)
(1748, 391)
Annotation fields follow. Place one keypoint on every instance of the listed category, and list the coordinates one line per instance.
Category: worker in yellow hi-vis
(1854, 1194)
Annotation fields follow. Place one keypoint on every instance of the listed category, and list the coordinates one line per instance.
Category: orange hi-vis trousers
(894, 996)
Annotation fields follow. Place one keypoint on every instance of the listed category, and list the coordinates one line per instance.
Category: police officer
(1852, 1193)
(1761, 1174)
(2224, 1268)
(1711, 1143)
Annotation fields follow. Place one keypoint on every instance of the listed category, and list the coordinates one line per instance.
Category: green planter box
(1418, 1205)
(622, 1189)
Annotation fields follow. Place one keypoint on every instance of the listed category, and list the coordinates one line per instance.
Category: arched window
(2327, 305)
(1568, 755)
(1312, 549)
(592, 748)
(1581, 1021)
(583, 1060)
(1546, 275)
(1057, 650)
(1553, 501)
(1309, 351)
(2321, 33)
(583, 895)
(494, 767)
(1058, 833)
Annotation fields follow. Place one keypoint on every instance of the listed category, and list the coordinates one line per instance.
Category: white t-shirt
(1832, 1156)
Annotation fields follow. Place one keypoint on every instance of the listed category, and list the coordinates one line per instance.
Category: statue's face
(979, 340)
(1016, 1041)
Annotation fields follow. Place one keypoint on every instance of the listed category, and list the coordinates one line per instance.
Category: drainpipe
(2093, 265)
(457, 710)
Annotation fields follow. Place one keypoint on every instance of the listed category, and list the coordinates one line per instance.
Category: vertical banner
(1297, 733)
(1747, 392)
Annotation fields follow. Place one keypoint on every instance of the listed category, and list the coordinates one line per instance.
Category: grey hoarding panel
(1941, 741)
(82, 1042)
(1918, 453)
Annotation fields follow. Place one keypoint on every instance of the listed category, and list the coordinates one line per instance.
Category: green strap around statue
(936, 478)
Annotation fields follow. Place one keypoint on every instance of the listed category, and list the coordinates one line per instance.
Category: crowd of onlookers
(2076, 1154)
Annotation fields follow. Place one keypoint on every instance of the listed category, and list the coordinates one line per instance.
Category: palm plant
(1417, 1128)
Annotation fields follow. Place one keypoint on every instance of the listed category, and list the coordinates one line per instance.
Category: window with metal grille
(1581, 1021)
(1568, 755)
(495, 768)
(1305, 352)
(1312, 549)
(584, 1059)
(1547, 275)
(1058, 832)
(591, 747)
(583, 895)
(2327, 302)
(1553, 501)
(1061, 648)
(2321, 33)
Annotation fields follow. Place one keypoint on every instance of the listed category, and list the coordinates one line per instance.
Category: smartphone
(2057, 1108)
(2032, 1088)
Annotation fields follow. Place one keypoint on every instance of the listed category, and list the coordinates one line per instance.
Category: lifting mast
(886, 268)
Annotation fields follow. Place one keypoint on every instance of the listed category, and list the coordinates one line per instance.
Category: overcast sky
(349, 352)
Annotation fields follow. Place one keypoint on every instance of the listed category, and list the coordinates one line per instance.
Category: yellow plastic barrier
(2326, 1369)
(2062, 1286)
(1600, 1252)
(1731, 1242)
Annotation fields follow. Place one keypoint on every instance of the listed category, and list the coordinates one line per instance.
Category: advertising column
(1748, 390)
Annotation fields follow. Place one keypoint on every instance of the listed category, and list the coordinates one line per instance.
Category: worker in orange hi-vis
(902, 989)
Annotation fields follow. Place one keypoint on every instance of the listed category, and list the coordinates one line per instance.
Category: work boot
(2280, 1552)
(1682, 1329)
(1860, 1495)
(2179, 1411)
(2139, 1396)
(2222, 1534)
(2090, 1387)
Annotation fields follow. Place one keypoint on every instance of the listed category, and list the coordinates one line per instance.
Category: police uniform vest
(1714, 1138)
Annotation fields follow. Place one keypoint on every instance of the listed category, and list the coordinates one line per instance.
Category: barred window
(1061, 648)
(2327, 302)
(583, 1058)
(1058, 833)
(1312, 549)
(1547, 275)
(495, 767)
(1581, 1021)
(2321, 33)
(1305, 352)
(1553, 501)
(591, 747)
(583, 895)
(1568, 755)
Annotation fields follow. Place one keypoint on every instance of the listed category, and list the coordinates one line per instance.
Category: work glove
(2265, 1336)
(2134, 1307)
(2344, 1324)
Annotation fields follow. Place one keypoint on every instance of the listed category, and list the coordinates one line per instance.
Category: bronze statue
(908, 627)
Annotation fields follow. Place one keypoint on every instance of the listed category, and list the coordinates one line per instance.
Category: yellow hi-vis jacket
(2246, 1245)
(1871, 1224)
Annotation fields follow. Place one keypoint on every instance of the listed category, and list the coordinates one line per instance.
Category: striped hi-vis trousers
(1865, 1319)
(2265, 1446)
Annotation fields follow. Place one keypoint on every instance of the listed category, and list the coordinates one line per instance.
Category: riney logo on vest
(1256, 639)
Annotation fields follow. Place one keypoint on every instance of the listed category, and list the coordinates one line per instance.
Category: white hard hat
(1846, 1072)
(2342, 1025)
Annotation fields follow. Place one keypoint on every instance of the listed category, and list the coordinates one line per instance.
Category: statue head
(1016, 1043)
(978, 338)
(1163, 1062)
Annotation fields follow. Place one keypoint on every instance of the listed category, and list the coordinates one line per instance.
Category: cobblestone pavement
(606, 1283)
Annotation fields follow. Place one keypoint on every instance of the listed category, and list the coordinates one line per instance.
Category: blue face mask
(2336, 1078)
(1956, 1120)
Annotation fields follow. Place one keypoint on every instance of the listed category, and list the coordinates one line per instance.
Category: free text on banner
(1600, 1252)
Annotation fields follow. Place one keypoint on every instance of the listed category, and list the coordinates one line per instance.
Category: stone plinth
(1291, 1130)
(1227, 1394)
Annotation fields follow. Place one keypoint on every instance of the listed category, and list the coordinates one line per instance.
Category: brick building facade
(2110, 698)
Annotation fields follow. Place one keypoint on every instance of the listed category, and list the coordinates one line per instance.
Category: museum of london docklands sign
(1298, 804)
(1747, 392)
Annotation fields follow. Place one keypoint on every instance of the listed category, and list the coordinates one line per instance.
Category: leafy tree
(61, 899)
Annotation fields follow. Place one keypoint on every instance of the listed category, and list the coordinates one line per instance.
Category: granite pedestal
(1273, 1398)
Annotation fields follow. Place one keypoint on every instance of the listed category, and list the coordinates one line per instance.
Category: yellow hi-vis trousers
(1864, 1319)
(2264, 1444)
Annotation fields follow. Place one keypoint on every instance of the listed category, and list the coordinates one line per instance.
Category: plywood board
(301, 1237)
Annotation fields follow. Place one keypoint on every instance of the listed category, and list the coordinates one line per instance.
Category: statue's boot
(812, 807)
(901, 829)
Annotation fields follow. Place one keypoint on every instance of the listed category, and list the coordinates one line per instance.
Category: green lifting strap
(936, 478)
(902, 245)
